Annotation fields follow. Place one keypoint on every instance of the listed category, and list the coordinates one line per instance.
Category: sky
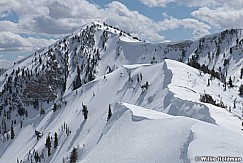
(28, 25)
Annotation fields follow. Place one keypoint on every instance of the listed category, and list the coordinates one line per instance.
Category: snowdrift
(136, 134)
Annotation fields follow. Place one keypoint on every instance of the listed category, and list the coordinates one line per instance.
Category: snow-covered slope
(157, 115)
(136, 134)
(148, 132)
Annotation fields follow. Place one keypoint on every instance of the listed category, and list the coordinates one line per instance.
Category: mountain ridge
(102, 67)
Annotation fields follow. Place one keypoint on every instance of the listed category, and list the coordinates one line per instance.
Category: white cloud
(7, 5)
(54, 16)
(199, 29)
(218, 13)
(132, 22)
(10, 41)
(5, 63)
(60, 17)
(9, 26)
(237, 4)
(190, 3)
(14, 42)
(37, 43)
(57, 17)
(20, 57)
(223, 17)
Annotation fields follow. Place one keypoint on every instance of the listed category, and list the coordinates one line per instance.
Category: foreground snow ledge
(136, 134)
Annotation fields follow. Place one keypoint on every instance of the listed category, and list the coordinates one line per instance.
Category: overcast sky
(27, 25)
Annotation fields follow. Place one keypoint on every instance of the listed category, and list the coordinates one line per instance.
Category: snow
(135, 133)
(127, 39)
(135, 66)
(214, 142)
(149, 140)
(146, 113)
(187, 84)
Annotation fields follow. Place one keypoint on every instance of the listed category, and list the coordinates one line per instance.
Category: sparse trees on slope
(207, 99)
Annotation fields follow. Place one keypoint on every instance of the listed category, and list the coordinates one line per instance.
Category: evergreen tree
(42, 112)
(12, 133)
(208, 82)
(234, 103)
(230, 82)
(74, 155)
(48, 145)
(78, 70)
(241, 89)
(55, 140)
(109, 113)
(209, 56)
(226, 62)
(183, 54)
(241, 73)
(77, 82)
(218, 50)
(225, 85)
(37, 157)
(54, 108)
(40, 60)
(205, 69)
(85, 111)
(38, 134)
(63, 86)
(231, 50)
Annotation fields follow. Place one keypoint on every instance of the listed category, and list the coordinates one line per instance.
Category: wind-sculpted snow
(191, 109)
(129, 140)
(189, 84)
(136, 134)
